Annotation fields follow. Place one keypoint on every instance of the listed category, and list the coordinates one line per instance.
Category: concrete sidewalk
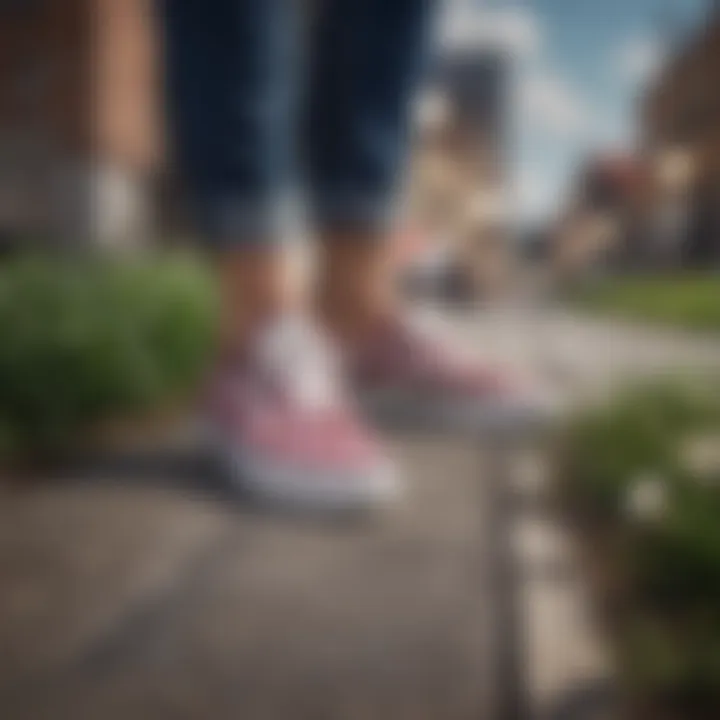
(123, 601)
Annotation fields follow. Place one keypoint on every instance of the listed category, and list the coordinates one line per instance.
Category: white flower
(647, 497)
(701, 455)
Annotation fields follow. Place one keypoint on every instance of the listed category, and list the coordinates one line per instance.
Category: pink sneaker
(406, 375)
(285, 430)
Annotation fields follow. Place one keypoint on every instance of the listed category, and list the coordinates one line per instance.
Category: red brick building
(681, 123)
(79, 120)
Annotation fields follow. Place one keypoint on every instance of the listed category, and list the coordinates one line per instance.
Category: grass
(689, 302)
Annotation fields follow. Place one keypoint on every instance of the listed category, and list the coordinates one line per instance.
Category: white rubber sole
(272, 484)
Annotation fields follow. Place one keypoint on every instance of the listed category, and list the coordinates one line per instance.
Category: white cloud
(467, 24)
(547, 101)
(639, 59)
(550, 110)
(544, 97)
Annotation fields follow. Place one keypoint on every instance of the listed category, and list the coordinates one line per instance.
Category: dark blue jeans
(253, 109)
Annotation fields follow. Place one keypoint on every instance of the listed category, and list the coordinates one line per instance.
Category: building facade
(80, 136)
(681, 129)
(458, 175)
(603, 227)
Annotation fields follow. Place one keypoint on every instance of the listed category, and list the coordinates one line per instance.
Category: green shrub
(670, 557)
(86, 340)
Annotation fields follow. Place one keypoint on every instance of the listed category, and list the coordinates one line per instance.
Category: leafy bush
(642, 430)
(646, 467)
(90, 339)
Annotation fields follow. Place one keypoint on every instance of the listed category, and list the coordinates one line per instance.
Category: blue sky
(581, 65)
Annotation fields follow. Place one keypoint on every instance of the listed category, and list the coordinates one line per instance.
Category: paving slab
(568, 669)
(121, 600)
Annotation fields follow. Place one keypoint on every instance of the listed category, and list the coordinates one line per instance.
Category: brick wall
(124, 83)
(79, 127)
(682, 112)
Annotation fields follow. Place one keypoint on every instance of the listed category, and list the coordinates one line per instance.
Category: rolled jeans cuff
(244, 223)
(353, 213)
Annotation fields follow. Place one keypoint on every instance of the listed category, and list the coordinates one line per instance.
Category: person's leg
(367, 58)
(279, 419)
(367, 62)
(229, 83)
